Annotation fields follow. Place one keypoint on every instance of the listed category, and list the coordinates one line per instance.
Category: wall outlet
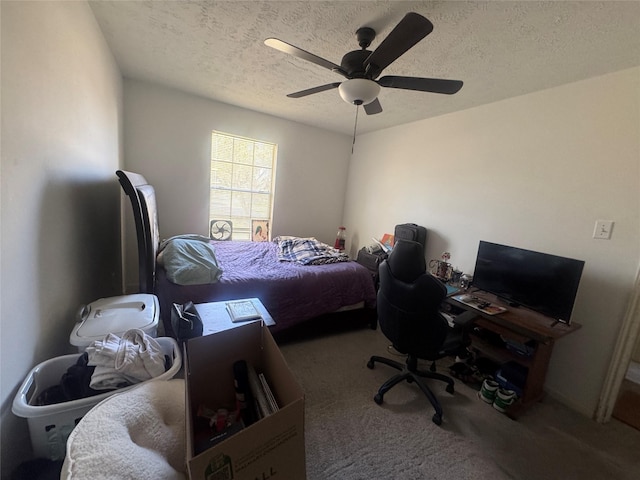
(603, 229)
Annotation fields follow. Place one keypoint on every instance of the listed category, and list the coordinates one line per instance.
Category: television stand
(523, 326)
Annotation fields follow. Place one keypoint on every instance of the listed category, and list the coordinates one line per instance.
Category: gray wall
(61, 145)
(536, 172)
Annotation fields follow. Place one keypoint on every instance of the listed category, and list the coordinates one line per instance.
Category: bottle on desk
(341, 239)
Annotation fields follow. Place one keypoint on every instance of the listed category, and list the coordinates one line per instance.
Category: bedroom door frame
(629, 334)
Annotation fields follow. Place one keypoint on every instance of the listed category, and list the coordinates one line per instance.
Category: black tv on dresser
(545, 283)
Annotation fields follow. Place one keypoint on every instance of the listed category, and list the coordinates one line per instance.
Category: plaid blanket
(308, 251)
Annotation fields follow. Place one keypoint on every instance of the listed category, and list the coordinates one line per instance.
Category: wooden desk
(520, 325)
(215, 317)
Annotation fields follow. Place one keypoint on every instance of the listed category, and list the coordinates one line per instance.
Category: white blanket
(136, 435)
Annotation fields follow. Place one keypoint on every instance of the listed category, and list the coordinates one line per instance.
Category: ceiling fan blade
(311, 91)
(434, 85)
(409, 31)
(303, 54)
(373, 107)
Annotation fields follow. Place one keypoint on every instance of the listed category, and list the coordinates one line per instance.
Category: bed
(293, 293)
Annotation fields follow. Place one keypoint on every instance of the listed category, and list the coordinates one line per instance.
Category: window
(242, 186)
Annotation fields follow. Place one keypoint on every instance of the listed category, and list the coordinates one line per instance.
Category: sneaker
(504, 399)
(488, 391)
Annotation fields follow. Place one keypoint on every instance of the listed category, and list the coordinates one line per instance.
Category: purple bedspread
(291, 292)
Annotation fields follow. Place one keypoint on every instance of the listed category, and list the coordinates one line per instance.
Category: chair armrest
(465, 320)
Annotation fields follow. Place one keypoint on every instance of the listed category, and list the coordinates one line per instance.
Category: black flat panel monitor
(542, 282)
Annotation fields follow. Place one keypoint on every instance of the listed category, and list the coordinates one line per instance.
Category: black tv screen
(542, 282)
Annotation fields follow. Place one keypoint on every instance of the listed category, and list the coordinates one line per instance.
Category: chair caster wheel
(378, 399)
(437, 419)
(370, 364)
(450, 389)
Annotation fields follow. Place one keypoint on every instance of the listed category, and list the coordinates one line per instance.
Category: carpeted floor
(349, 436)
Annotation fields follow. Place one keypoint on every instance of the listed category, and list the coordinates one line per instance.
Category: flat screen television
(542, 282)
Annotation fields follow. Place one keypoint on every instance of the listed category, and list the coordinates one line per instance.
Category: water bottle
(341, 239)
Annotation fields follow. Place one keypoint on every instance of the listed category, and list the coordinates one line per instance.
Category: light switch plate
(603, 229)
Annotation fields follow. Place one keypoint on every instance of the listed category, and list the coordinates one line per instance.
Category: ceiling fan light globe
(359, 91)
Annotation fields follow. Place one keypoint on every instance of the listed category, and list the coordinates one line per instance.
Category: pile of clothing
(108, 364)
(308, 251)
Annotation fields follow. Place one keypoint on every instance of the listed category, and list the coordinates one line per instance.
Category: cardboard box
(273, 447)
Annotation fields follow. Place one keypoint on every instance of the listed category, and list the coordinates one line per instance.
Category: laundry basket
(50, 425)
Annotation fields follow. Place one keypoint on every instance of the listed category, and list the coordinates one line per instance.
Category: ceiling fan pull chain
(354, 130)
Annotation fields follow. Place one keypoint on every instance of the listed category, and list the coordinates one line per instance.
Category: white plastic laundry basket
(50, 425)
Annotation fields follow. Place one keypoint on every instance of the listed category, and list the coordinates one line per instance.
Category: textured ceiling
(499, 49)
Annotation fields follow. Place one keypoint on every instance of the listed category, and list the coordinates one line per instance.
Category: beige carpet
(349, 436)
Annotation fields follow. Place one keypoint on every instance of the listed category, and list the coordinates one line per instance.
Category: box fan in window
(220, 229)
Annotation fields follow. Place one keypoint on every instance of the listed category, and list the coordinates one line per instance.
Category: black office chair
(409, 315)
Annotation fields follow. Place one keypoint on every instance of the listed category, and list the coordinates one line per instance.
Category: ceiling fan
(361, 68)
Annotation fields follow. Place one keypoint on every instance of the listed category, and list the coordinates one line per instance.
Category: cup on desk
(456, 275)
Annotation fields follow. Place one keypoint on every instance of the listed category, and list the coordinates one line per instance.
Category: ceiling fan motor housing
(352, 63)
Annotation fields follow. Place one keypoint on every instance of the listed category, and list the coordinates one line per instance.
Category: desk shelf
(523, 326)
(498, 354)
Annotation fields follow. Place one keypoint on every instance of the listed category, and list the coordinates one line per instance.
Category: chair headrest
(406, 260)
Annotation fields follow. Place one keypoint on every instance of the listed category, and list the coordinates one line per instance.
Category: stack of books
(265, 402)
(253, 393)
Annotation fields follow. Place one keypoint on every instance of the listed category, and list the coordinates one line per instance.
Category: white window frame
(242, 183)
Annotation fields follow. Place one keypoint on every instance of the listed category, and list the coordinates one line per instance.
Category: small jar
(465, 281)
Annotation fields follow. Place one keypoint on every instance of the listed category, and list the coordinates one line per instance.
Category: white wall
(168, 140)
(535, 172)
(61, 130)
